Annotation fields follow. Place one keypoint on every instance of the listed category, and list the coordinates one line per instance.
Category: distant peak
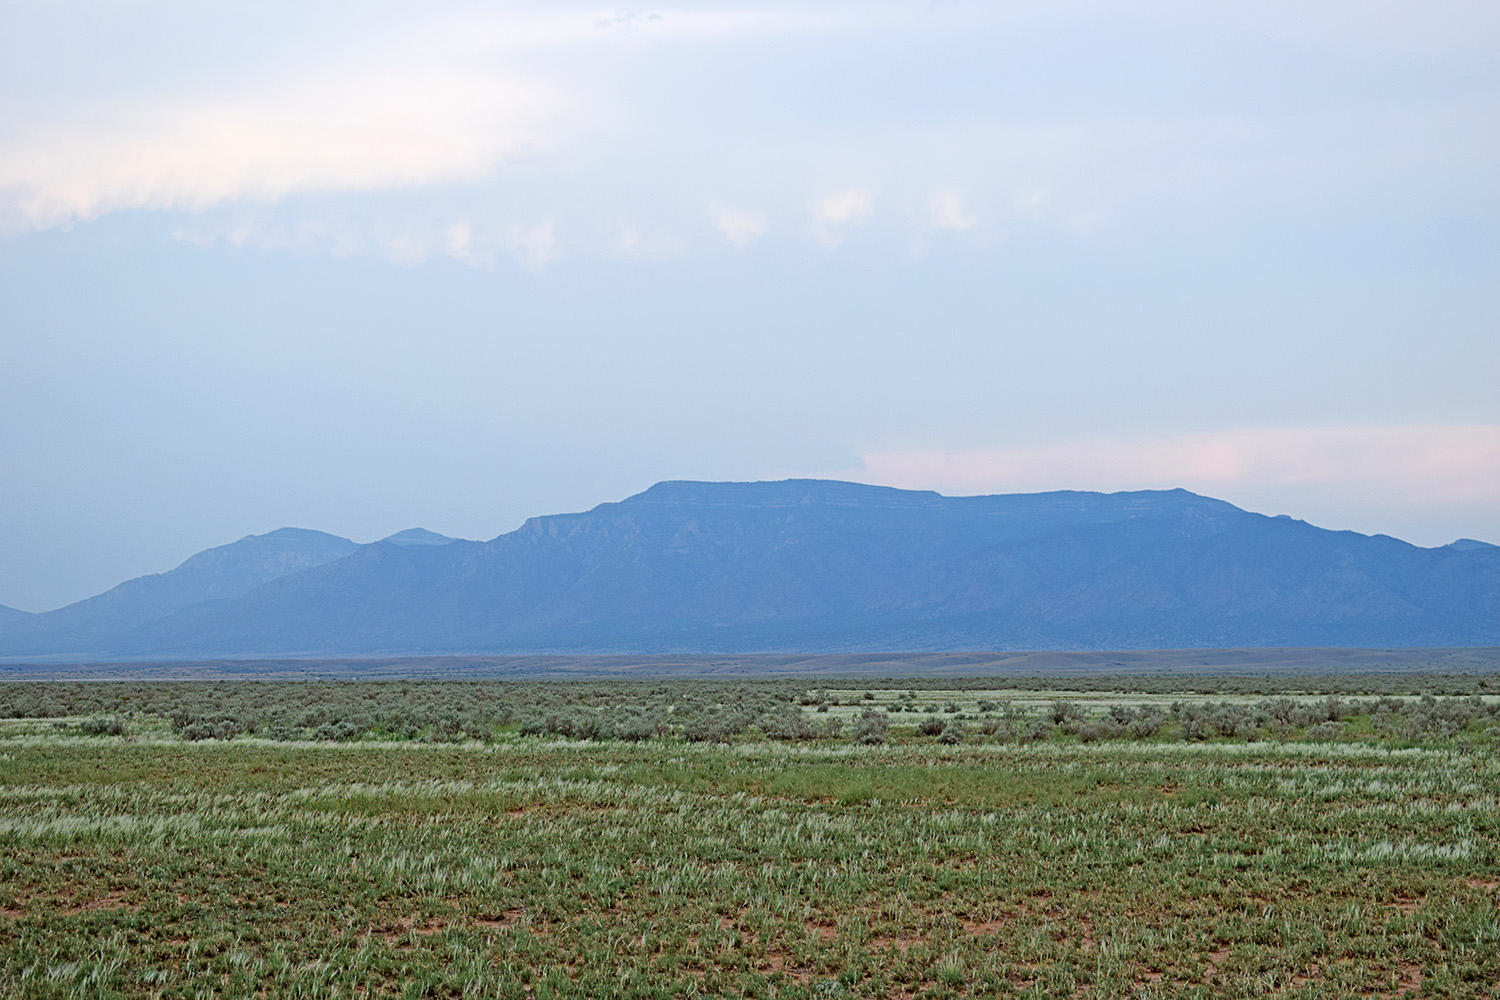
(280, 540)
(295, 533)
(418, 536)
(1469, 545)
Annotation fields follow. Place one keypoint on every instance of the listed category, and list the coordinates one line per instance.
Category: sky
(360, 267)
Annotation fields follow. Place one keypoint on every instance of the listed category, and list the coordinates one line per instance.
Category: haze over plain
(363, 269)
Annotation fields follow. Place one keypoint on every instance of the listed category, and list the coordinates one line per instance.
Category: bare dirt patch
(822, 931)
(398, 933)
(902, 943)
(503, 921)
(778, 962)
(110, 902)
(1214, 960)
(1411, 981)
(984, 928)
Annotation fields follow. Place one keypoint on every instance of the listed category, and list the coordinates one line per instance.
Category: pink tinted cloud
(1435, 465)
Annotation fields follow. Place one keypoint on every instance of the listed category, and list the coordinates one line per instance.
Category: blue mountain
(814, 566)
(12, 617)
(220, 573)
(1470, 545)
(418, 536)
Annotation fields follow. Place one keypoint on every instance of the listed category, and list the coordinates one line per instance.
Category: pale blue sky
(358, 267)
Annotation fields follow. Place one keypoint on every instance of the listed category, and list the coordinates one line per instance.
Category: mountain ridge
(224, 571)
(823, 566)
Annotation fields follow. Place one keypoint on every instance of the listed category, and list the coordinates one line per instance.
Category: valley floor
(149, 866)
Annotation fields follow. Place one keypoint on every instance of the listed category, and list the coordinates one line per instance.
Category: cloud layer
(452, 100)
(778, 119)
(1376, 468)
(354, 128)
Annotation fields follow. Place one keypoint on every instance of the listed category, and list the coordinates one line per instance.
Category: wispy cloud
(458, 243)
(739, 227)
(454, 101)
(585, 115)
(835, 213)
(1438, 463)
(533, 244)
(353, 128)
(947, 213)
(1346, 471)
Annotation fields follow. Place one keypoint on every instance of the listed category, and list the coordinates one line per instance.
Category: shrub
(1326, 730)
(711, 727)
(1147, 722)
(871, 726)
(641, 727)
(991, 726)
(1062, 712)
(930, 727)
(788, 724)
(952, 733)
(104, 726)
(210, 729)
(1091, 732)
(338, 732)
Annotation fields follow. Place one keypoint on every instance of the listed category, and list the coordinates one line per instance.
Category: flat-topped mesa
(809, 566)
(778, 493)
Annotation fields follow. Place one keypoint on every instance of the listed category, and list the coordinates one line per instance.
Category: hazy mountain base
(872, 665)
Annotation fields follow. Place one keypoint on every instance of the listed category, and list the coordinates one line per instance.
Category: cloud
(556, 111)
(739, 227)
(450, 100)
(643, 242)
(948, 213)
(458, 243)
(1439, 463)
(356, 128)
(835, 213)
(534, 245)
(1383, 474)
(405, 250)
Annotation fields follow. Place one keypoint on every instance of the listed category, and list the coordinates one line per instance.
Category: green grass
(437, 852)
(149, 866)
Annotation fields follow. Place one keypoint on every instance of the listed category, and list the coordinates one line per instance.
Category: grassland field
(1211, 837)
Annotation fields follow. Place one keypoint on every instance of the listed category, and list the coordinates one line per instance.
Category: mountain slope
(12, 617)
(823, 566)
(224, 572)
